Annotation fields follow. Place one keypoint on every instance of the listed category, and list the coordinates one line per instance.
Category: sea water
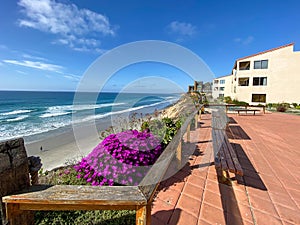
(36, 115)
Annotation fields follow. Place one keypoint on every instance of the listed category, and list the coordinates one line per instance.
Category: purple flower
(116, 157)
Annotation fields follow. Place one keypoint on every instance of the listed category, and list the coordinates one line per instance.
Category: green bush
(227, 99)
(164, 129)
(236, 102)
(282, 107)
(99, 217)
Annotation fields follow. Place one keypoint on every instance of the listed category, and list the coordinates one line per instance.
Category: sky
(50, 44)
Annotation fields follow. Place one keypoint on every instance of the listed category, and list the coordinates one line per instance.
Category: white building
(271, 76)
(222, 86)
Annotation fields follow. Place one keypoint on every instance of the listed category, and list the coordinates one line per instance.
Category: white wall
(283, 77)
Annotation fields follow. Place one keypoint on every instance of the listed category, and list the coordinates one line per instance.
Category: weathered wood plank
(143, 215)
(227, 150)
(77, 194)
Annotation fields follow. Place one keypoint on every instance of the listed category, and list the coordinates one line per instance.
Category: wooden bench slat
(229, 160)
(247, 110)
(235, 160)
(222, 162)
(79, 195)
(224, 152)
(216, 148)
(231, 154)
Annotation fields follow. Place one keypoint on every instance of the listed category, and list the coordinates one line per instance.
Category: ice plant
(120, 158)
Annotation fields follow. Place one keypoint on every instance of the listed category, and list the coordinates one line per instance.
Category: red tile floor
(268, 147)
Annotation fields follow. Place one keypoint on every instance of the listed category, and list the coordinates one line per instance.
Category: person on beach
(41, 148)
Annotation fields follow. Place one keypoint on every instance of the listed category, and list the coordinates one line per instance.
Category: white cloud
(72, 77)
(21, 72)
(182, 29)
(245, 41)
(75, 27)
(36, 65)
(28, 56)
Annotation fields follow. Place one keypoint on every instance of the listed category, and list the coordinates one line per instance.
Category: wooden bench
(247, 110)
(66, 197)
(225, 157)
(246, 107)
(74, 197)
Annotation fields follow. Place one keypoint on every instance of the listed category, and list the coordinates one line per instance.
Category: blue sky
(49, 44)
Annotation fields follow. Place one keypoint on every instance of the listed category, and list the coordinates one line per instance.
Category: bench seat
(247, 110)
(67, 197)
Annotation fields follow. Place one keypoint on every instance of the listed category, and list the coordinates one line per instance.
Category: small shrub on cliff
(164, 129)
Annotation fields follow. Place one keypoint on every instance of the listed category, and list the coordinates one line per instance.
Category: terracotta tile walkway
(268, 149)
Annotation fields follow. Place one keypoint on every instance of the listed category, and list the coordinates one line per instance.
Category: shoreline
(57, 150)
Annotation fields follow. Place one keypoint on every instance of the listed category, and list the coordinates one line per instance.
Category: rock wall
(14, 174)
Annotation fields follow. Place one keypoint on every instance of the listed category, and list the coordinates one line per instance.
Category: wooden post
(143, 215)
(196, 121)
(178, 155)
(12, 213)
(188, 133)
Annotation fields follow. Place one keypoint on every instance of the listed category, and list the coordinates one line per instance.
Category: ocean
(37, 115)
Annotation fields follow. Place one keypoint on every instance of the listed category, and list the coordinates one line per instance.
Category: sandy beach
(60, 149)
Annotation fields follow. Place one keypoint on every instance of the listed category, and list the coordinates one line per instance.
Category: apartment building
(271, 76)
(222, 86)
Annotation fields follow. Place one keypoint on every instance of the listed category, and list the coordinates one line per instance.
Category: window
(221, 95)
(216, 88)
(259, 81)
(261, 64)
(222, 81)
(259, 98)
(244, 81)
(222, 88)
(244, 65)
(216, 81)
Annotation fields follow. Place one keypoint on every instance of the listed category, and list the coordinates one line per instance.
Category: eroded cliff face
(14, 174)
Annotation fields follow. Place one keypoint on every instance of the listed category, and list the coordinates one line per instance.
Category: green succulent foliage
(102, 217)
(228, 100)
(164, 129)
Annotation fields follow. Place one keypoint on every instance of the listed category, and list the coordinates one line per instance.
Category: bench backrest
(14, 172)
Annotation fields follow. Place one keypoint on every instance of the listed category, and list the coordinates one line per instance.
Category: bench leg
(223, 177)
(143, 215)
(15, 216)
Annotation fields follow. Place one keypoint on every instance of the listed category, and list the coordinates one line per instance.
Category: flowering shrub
(120, 158)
